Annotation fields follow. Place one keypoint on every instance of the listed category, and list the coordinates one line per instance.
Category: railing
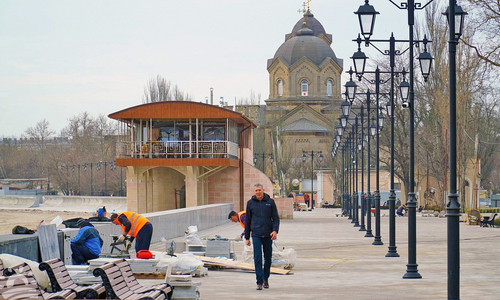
(178, 149)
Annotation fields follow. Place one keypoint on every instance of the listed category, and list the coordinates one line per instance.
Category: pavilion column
(192, 174)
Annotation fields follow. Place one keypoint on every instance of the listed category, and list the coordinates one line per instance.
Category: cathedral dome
(304, 45)
(310, 22)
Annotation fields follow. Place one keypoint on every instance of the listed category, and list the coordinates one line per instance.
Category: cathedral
(303, 105)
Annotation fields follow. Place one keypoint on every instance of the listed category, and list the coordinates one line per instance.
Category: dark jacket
(89, 236)
(262, 217)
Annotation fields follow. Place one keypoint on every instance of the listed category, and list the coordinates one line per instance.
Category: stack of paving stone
(184, 287)
(138, 266)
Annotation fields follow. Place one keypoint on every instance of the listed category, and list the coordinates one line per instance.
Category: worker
(238, 217)
(101, 211)
(262, 221)
(306, 199)
(87, 243)
(136, 226)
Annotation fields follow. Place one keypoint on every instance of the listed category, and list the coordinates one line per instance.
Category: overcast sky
(61, 58)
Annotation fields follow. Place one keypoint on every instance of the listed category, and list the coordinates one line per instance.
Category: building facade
(303, 105)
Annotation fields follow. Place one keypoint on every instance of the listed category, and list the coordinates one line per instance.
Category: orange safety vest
(239, 218)
(136, 220)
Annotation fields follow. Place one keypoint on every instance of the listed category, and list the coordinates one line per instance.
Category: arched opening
(329, 86)
(305, 87)
(280, 88)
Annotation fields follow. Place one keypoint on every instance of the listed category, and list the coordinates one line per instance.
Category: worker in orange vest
(238, 217)
(136, 226)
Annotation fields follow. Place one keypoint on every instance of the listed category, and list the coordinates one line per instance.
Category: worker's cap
(81, 223)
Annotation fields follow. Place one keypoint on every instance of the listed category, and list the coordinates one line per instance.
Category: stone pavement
(336, 261)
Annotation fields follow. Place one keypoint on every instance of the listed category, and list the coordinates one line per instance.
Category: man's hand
(121, 238)
(273, 235)
(247, 242)
(238, 238)
(128, 244)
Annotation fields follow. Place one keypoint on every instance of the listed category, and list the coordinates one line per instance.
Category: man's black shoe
(259, 287)
(266, 284)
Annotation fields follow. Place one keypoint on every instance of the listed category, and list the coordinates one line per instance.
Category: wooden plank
(236, 265)
(49, 244)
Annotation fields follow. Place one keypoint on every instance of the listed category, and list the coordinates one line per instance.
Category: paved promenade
(336, 261)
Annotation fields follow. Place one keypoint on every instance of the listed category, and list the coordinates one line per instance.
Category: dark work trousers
(81, 254)
(262, 244)
(143, 239)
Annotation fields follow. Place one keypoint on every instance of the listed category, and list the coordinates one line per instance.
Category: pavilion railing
(178, 149)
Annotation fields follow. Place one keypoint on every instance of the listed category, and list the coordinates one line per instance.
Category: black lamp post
(366, 202)
(73, 168)
(453, 206)
(375, 129)
(411, 6)
(263, 155)
(320, 158)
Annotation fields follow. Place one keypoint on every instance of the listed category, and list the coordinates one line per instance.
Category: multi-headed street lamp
(263, 156)
(351, 93)
(320, 158)
(369, 13)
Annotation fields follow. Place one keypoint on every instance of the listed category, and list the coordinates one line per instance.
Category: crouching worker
(87, 243)
(238, 217)
(136, 226)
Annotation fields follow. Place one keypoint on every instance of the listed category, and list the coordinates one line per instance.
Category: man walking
(87, 243)
(136, 226)
(262, 221)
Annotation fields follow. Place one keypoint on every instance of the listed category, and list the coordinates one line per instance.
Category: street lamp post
(367, 201)
(320, 158)
(411, 267)
(425, 61)
(263, 155)
(455, 16)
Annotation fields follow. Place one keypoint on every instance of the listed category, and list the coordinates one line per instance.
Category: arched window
(305, 87)
(280, 88)
(329, 85)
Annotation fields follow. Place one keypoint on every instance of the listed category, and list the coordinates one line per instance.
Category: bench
(25, 269)
(116, 286)
(488, 221)
(427, 213)
(135, 286)
(61, 280)
(19, 287)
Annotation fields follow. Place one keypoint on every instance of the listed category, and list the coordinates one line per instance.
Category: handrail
(177, 149)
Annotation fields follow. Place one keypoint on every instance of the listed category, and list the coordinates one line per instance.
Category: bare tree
(483, 33)
(251, 100)
(159, 89)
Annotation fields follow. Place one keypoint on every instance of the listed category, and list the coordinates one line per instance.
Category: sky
(61, 58)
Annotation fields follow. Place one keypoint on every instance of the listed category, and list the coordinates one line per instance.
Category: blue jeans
(259, 244)
(81, 254)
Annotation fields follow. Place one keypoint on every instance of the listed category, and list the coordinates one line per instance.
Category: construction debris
(230, 264)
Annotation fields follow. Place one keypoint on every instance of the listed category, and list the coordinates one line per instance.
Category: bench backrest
(492, 219)
(24, 269)
(19, 287)
(127, 273)
(58, 274)
(113, 281)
